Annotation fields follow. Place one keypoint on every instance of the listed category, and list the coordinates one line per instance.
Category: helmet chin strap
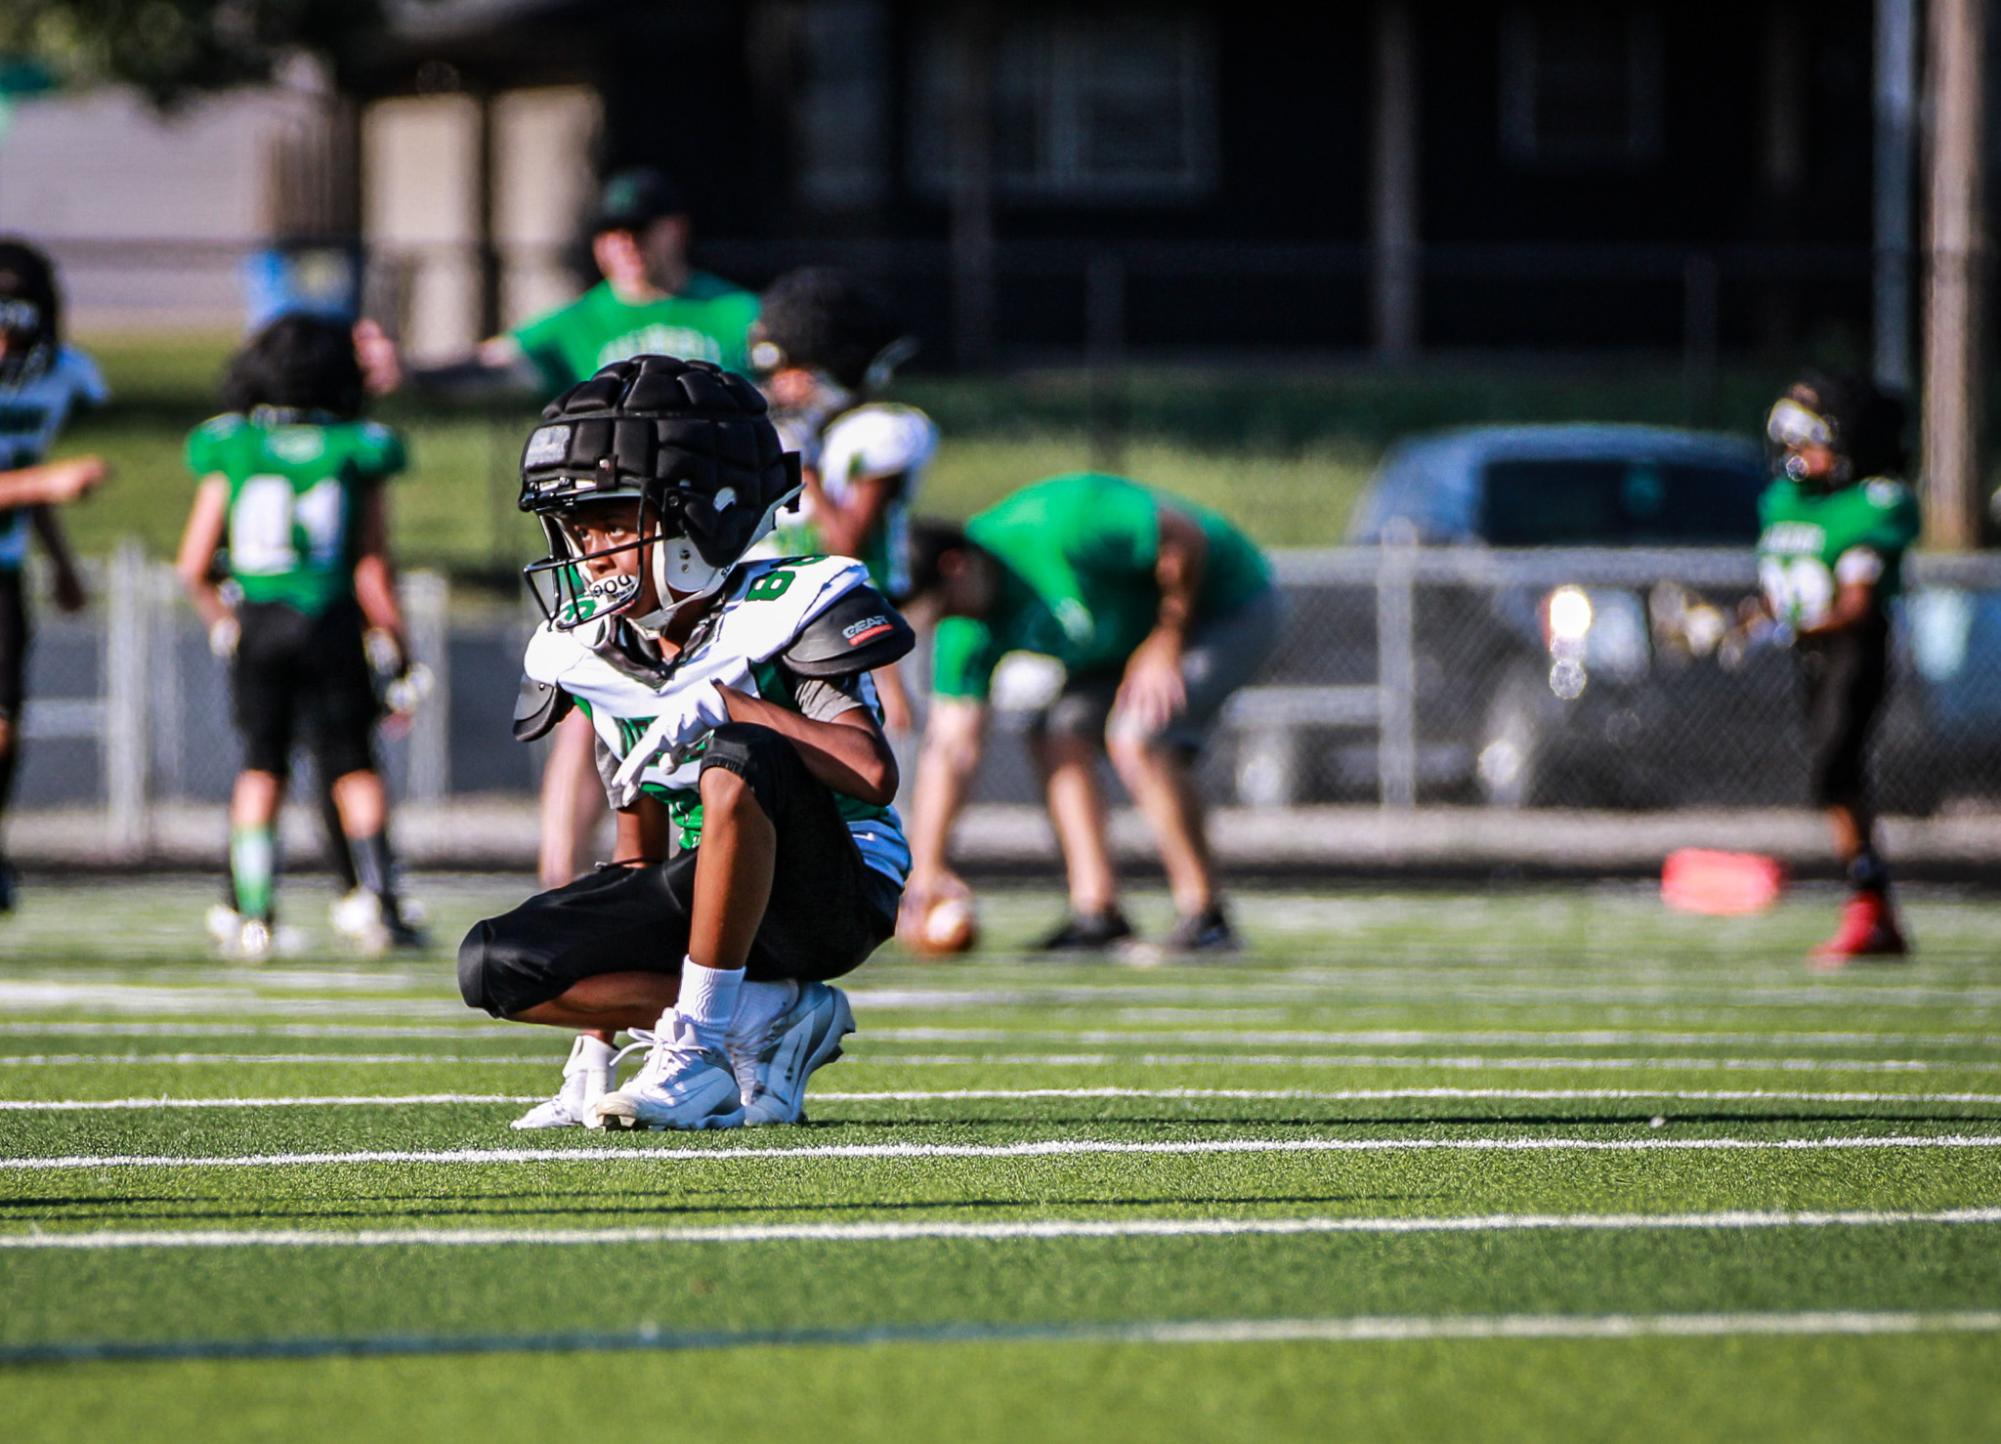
(680, 576)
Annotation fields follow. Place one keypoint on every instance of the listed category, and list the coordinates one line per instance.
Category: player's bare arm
(374, 572)
(66, 582)
(53, 483)
(201, 538)
(1153, 689)
(946, 766)
(848, 752)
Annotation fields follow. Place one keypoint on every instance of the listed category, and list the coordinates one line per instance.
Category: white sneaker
(773, 1066)
(586, 1078)
(681, 1084)
(360, 921)
(250, 941)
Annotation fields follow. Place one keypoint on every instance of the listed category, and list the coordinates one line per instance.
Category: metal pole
(1105, 325)
(1396, 669)
(1896, 161)
(128, 648)
(972, 206)
(1395, 200)
(426, 602)
(1953, 471)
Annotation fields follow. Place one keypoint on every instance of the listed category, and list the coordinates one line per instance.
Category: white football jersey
(740, 644)
(30, 417)
(878, 439)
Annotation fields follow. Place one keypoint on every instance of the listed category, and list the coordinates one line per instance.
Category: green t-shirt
(708, 320)
(294, 497)
(1811, 542)
(1077, 557)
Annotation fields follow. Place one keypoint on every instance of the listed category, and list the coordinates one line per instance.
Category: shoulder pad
(857, 632)
(538, 707)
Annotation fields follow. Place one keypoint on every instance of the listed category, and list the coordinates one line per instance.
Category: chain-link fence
(1407, 678)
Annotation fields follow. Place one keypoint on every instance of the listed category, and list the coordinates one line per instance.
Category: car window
(1619, 503)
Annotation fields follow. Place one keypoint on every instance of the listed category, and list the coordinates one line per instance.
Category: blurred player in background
(1158, 610)
(649, 301)
(41, 382)
(292, 481)
(730, 702)
(1837, 521)
(823, 345)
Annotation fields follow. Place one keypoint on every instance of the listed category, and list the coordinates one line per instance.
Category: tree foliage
(170, 49)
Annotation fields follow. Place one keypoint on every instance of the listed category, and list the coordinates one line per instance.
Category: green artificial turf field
(1546, 1163)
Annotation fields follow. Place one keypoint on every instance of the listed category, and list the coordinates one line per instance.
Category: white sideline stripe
(342, 1100)
(650, 1338)
(948, 1095)
(1045, 1148)
(999, 1231)
(1378, 1037)
(1412, 1062)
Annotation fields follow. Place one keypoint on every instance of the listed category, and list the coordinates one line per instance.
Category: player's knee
(487, 960)
(744, 767)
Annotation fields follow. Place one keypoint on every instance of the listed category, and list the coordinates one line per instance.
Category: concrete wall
(147, 215)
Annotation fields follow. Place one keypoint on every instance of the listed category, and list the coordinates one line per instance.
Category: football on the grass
(947, 926)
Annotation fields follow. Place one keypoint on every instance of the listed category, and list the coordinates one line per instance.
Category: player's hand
(65, 481)
(381, 363)
(69, 592)
(223, 635)
(685, 719)
(1153, 692)
(923, 890)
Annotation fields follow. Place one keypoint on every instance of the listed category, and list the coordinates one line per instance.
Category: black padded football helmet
(1850, 415)
(692, 444)
(30, 313)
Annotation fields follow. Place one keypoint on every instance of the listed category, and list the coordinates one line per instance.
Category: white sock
(760, 1004)
(708, 1000)
(588, 1053)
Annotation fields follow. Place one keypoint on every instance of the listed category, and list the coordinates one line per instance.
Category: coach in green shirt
(650, 301)
(1158, 610)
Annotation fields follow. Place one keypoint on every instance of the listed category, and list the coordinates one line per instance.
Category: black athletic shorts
(1844, 677)
(13, 643)
(828, 910)
(296, 675)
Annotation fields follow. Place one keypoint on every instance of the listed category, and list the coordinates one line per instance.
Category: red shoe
(1868, 930)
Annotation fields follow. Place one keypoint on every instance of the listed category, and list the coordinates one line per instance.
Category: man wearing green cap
(649, 302)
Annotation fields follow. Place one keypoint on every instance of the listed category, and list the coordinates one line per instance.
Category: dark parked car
(1582, 681)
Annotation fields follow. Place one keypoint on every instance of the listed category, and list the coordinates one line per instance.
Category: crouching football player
(732, 706)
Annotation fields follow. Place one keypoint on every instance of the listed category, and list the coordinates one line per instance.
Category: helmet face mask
(572, 592)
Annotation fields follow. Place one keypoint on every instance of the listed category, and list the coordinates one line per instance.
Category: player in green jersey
(291, 484)
(1837, 521)
(649, 301)
(730, 703)
(1158, 610)
(824, 344)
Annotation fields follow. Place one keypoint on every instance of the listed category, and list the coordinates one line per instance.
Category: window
(841, 121)
(1084, 106)
(1619, 503)
(1580, 85)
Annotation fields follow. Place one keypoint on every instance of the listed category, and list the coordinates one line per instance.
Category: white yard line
(1042, 1148)
(1413, 1062)
(1392, 1328)
(1368, 1037)
(948, 1095)
(993, 1232)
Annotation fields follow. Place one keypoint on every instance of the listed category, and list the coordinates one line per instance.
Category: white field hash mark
(949, 1095)
(999, 1231)
(1042, 1148)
